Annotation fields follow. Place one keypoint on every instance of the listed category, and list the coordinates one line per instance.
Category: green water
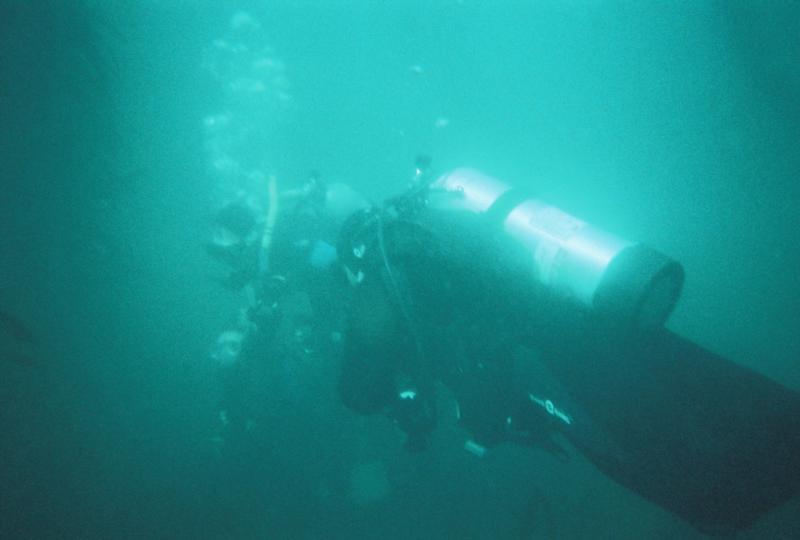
(675, 123)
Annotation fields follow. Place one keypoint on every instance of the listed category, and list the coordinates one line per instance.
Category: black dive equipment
(710, 440)
(628, 283)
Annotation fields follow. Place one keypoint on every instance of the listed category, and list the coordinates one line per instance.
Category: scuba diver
(282, 255)
(546, 328)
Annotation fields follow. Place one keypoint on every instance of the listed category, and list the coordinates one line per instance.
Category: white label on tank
(544, 230)
(553, 222)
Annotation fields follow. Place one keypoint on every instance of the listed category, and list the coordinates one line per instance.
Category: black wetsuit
(440, 300)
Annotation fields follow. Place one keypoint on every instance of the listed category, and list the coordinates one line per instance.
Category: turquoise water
(673, 123)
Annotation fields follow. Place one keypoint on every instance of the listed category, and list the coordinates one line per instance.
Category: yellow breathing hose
(272, 213)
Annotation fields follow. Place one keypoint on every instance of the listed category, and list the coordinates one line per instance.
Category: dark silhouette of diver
(467, 282)
(284, 256)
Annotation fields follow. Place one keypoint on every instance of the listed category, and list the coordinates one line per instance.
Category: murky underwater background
(673, 123)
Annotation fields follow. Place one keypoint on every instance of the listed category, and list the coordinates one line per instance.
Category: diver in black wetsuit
(420, 316)
(452, 278)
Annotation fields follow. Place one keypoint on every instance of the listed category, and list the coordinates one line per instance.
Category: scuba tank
(629, 284)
